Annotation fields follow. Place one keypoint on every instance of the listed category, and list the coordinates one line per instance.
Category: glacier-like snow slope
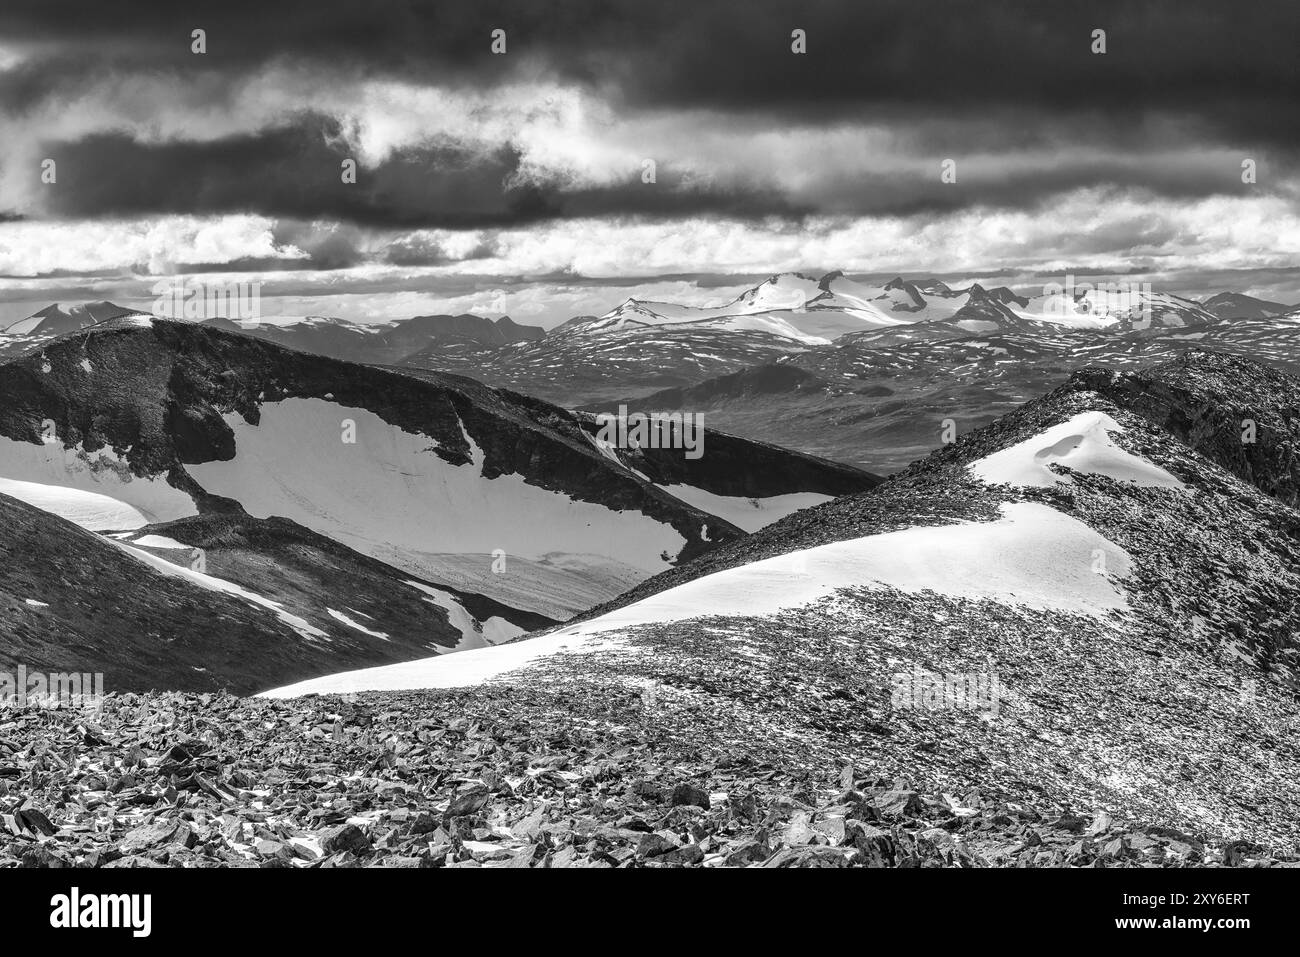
(1161, 309)
(783, 291)
(390, 496)
(1033, 556)
(788, 325)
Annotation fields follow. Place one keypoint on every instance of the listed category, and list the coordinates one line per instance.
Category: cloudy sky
(515, 182)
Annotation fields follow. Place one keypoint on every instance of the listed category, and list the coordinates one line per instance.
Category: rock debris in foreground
(449, 780)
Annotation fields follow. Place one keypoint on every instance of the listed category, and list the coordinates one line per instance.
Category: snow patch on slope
(749, 514)
(1081, 443)
(62, 472)
(1033, 556)
(211, 583)
(776, 324)
(339, 616)
(460, 670)
(159, 541)
(90, 510)
(473, 634)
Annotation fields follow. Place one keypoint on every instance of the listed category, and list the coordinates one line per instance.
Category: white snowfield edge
(1033, 556)
(91, 510)
(95, 490)
(1081, 443)
(747, 514)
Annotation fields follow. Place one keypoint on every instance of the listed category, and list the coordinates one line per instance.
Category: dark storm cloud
(418, 250)
(1193, 56)
(296, 171)
(328, 245)
(291, 171)
(956, 78)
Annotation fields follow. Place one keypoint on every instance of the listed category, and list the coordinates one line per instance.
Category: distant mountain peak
(60, 318)
(1236, 305)
(998, 294)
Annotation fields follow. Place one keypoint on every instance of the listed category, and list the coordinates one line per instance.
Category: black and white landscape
(857, 435)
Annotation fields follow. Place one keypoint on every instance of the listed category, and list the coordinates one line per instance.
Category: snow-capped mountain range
(820, 311)
(644, 345)
(794, 306)
(885, 363)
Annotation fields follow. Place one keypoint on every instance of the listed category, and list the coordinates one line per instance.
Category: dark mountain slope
(577, 370)
(733, 466)
(466, 328)
(1235, 305)
(780, 380)
(369, 343)
(318, 580)
(72, 601)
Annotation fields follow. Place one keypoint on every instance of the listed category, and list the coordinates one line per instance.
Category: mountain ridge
(1076, 550)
